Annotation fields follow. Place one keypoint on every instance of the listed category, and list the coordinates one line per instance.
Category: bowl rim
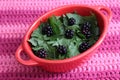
(92, 48)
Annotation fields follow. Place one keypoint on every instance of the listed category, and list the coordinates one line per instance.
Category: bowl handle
(25, 62)
(106, 11)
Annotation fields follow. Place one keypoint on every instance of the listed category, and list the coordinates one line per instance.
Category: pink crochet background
(16, 16)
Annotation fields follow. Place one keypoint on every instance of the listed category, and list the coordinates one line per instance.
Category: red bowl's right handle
(25, 62)
(107, 11)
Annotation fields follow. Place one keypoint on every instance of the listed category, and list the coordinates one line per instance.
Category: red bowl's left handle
(25, 62)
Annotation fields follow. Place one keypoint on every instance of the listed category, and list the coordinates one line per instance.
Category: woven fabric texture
(16, 16)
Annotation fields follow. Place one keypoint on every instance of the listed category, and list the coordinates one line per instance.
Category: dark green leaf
(74, 27)
(60, 26)
(58, 17)
(91, 41)
(65, 21)
(72, 50)
(77, 41)
(59, 41)
(33, 41)
(37, 33)
(56, 25)
(80, 35)
(36, 48)
(51, 53)
(91, 19)
(96, 31)
(61, 56)
(77, 17)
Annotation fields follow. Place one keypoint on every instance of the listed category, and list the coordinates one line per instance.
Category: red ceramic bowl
(70, 63)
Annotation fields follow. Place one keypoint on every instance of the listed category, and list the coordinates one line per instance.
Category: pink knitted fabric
(16, 16)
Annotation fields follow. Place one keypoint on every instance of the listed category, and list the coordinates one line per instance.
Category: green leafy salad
(65, 36)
